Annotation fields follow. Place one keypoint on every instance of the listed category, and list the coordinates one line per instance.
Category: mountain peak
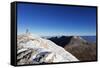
(77, 40)
(41, 50)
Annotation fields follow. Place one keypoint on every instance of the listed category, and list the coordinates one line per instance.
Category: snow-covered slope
(32, 49)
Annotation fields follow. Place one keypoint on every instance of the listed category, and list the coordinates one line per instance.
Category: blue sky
(55, 20)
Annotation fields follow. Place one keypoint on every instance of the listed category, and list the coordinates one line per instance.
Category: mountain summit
(77, 40)
(32, 49)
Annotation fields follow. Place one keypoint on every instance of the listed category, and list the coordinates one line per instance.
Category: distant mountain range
(90, 38)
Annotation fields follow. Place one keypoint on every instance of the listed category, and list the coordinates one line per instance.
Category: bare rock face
(81, 49)
(33, 49)
(77, 40)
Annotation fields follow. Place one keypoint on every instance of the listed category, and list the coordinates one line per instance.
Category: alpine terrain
(32, 49)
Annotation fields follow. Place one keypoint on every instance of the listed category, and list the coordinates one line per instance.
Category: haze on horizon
(55, 20)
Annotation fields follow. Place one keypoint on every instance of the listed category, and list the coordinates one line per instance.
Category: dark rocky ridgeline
(66, 40)
(61, 41)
